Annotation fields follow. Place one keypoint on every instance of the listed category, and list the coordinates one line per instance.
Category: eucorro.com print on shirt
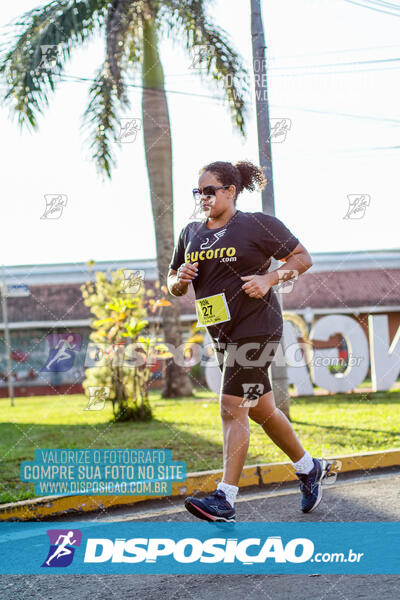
(243, 246)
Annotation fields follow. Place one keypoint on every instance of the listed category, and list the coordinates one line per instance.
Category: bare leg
(277, 426)
(236, 432)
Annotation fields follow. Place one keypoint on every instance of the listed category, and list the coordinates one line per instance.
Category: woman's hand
(187, 272)
(257, 286)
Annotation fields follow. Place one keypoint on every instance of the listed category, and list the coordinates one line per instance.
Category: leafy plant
(125, 341)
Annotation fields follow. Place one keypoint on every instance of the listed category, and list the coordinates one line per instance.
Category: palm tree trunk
(157, 142)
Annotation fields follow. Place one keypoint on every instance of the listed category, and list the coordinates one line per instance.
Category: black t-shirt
(243, 246)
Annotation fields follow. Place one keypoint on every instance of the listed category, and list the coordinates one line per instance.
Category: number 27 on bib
(212, 310)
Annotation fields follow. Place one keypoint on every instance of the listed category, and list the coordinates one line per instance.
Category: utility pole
(280, 384)
(7, 338)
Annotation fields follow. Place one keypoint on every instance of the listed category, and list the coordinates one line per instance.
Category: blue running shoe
(214, 507)
(311, 484)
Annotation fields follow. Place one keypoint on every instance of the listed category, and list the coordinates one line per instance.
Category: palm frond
(107, 94)
(101, 119)
(58, 26)
(220, 60)
(121, 18)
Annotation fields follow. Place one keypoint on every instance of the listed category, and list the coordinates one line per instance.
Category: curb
(202, 481)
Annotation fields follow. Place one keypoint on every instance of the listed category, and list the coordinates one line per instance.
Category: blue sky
(343, 140)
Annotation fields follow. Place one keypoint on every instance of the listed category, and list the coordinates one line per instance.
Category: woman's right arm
(178, 284)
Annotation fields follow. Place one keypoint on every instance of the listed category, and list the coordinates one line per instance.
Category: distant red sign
(19, 356)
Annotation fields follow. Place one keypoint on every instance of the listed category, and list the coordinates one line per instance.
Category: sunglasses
(208, 190)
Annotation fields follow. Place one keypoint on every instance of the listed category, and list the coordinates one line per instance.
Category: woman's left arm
(296, 263)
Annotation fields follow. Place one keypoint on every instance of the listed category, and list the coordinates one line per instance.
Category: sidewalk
(200, 482)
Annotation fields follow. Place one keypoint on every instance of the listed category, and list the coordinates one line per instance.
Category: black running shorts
(244, 365)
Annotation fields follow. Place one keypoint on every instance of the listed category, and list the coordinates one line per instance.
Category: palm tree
(131, 29)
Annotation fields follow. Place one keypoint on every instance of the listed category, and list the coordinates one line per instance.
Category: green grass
(326, 425)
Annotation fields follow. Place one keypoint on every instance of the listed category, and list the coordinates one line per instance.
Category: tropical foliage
(124, 343)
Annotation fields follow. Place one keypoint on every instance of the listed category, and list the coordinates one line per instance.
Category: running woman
(226, 257)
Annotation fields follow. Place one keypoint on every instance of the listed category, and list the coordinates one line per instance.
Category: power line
(339, 64)
(384, 4)
(76, 79)
(338, 114)
(272, 70)
(273, 73)
(373, 8)
(338, 51)
(318, 73)
(281, 58)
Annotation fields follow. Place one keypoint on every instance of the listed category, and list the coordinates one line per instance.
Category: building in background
(55, 319)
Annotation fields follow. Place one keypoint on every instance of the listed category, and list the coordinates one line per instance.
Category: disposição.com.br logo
(63, 543)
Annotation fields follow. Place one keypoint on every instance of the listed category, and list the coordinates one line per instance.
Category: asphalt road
(363, 498)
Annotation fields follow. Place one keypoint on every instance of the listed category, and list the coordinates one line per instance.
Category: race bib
(212, 310)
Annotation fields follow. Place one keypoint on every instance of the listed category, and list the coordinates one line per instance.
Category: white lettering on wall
(357, 347)
(385, 360)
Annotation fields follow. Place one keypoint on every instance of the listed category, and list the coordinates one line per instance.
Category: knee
(231, 411)
(263, 411)
(227, 412)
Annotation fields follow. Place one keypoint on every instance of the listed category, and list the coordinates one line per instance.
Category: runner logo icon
(62, 351)
(252, 392)
(205, 245)
(62, 547)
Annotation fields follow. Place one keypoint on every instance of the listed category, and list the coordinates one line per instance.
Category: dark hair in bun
(244, 175)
